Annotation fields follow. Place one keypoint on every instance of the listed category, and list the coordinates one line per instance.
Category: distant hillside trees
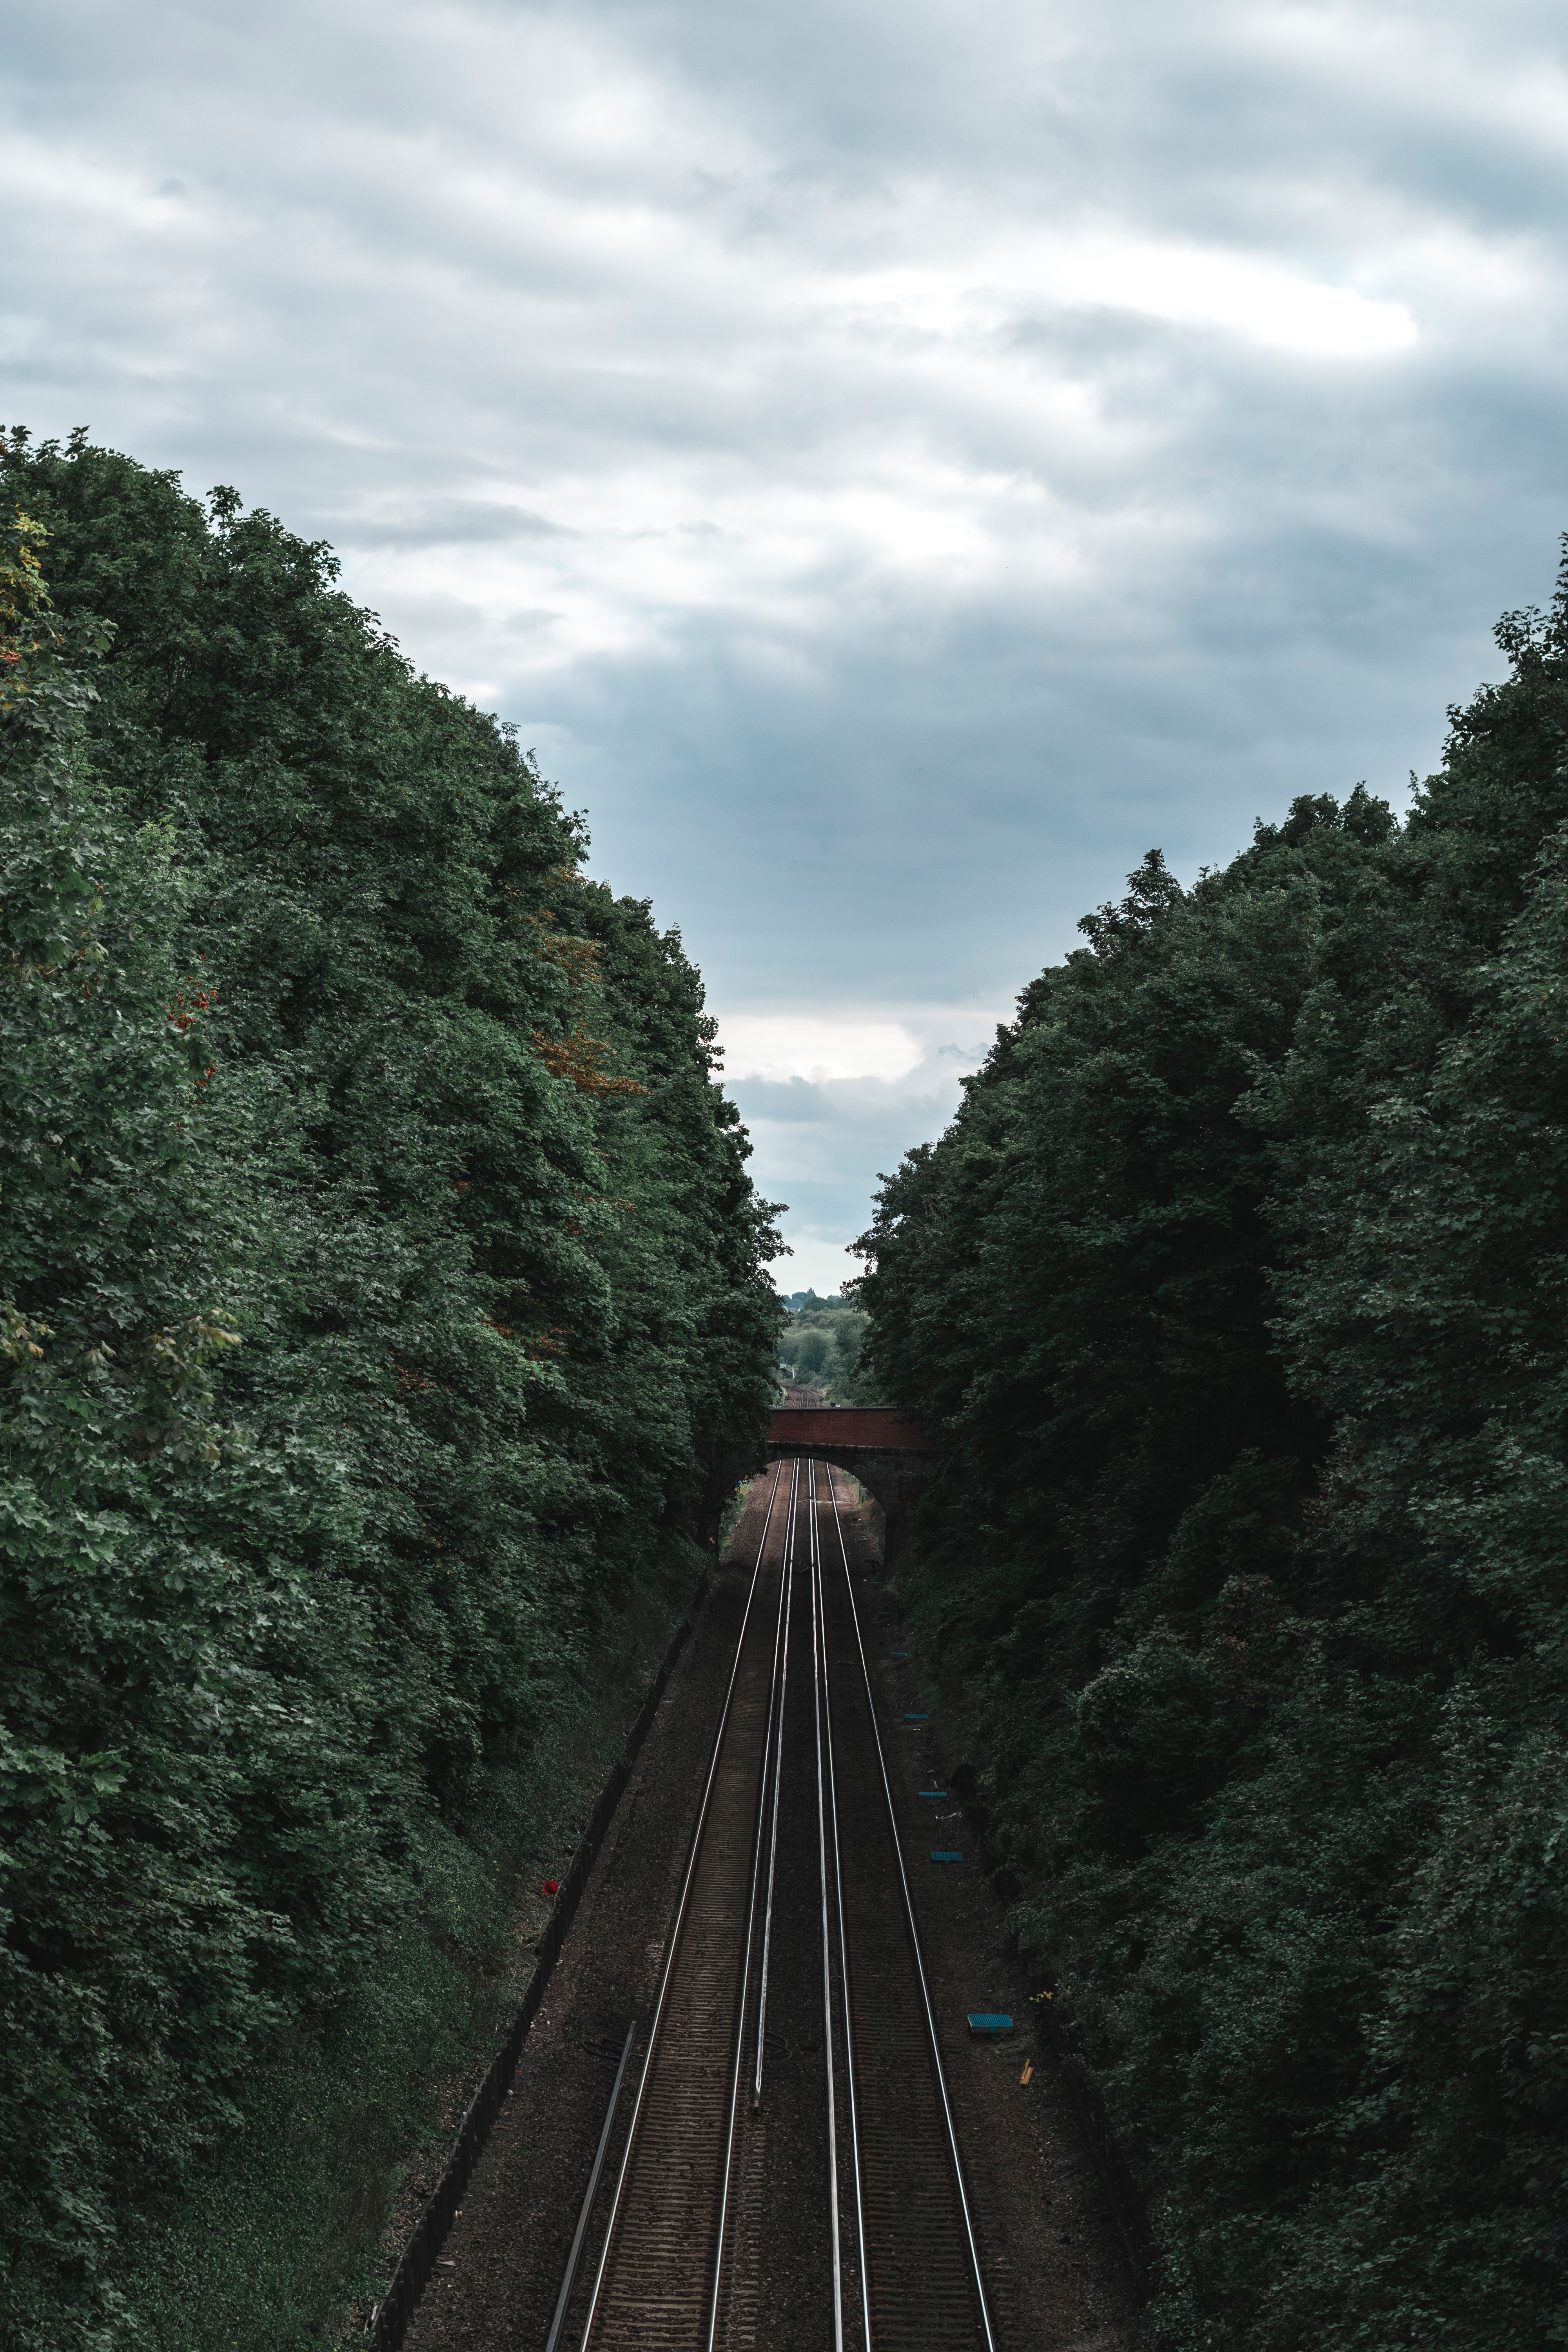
(1234, 1299)
(382, 1304)
(820, 1346)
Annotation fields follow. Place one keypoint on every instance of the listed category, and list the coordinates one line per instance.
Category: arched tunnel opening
(890, 1457)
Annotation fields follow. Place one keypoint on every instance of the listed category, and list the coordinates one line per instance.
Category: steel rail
(819, 1699)
(786, 1605)
(914, 1945)
(674, 1945)
(774, 1732)
(844, 1978)
(567, 2284)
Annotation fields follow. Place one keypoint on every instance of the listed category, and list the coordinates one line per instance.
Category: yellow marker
(1028, 2070)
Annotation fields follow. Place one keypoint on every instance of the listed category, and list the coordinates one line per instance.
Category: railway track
(923, 2289)
(787, 2169)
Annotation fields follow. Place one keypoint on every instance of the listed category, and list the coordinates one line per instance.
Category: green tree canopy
(383, 1297)
(1232, 1298)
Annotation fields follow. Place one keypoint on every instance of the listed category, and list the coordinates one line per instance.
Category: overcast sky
(896, 462)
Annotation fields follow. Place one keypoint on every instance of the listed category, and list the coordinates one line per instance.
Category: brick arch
(889, 1455)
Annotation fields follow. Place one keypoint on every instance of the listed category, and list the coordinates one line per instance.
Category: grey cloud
(444, 522)
(827, 1167)
(879, 642)
(780, 1098)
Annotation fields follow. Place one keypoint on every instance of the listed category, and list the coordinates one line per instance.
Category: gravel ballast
(1054, 2260)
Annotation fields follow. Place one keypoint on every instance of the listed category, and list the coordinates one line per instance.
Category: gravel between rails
(1055, 2272)
(1049, 2237)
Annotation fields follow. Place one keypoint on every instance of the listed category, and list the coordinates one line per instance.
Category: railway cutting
(793, 2039)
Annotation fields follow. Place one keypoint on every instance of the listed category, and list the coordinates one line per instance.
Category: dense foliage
(382, 1300)
(820, 1344)
(1235, 1299)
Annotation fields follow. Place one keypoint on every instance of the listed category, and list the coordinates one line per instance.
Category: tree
(1232, 1298)
(384, 1306)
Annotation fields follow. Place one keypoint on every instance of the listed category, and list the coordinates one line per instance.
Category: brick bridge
(889, 1455)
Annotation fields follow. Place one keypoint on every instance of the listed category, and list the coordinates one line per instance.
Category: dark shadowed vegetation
(1236, 1299)
(383, 1316)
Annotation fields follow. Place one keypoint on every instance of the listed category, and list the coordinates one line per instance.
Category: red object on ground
(552, 1886)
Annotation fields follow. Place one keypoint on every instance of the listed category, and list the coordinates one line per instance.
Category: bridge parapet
(798, 1427)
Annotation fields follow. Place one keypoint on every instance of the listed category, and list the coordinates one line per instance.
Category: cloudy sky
(896, 462)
